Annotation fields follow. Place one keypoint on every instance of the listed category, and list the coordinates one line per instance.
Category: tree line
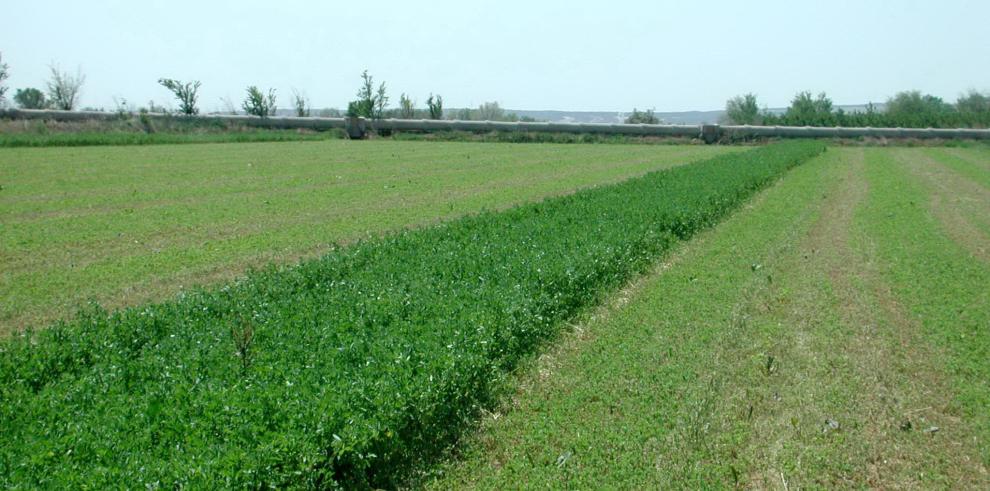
(63, 89)
(908, 109)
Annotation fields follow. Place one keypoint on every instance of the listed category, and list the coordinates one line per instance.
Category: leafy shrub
(407, 109)
(4, 75)
(257, 104)
(30, 98)
(645, 117)
(370, 103)
(742, 109)
(435, 105)
(301, 103)
(345, 370)
(64, 89)
(184, 92)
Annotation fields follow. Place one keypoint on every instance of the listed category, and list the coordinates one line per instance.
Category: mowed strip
(126, 224)
(770, 352)
(974, 162)
(940, 283)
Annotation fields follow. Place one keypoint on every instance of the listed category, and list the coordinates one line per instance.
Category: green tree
(301, 103)
(258, 104)
(743, 109)
(30, 98)
(370, 103)
(407, 110)
(186, 94)
(914, 109)
(435, 105)
(806, 110)
(973, 102)
(380, 102)
(4, 75)
(64, 89)
(490, 111)
(642, 117)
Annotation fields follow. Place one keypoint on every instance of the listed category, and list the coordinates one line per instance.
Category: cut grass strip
(972, 163)
(768, 355)
(348, 369)
(961, 205)
(943, 286)
(603, 410)
(126, 225)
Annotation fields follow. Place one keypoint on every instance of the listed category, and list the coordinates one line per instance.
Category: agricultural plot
(798, 317)
(123, 225)
(349, 369)
(833, 334)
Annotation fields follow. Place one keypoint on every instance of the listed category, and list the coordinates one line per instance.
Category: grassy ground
(126, 224)
(85, 139)
(139, 131)
(833, 334)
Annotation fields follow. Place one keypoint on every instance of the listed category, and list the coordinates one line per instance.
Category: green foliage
(910, 109)
(4, 75)
(490, 111)
(806, 110)
(435, 105)
(361, 363)
(301, 103)
(258, 104)
(30, 98)
(644, 117)
(939, 284)
(184, 92)
(154, 137)
(541, 137)
(139, 129)
(194, 214)
(381, 102)
(973, 103)
(407, 109)
(913, 109)
(370, 103)
(64, 89)
(743, 109)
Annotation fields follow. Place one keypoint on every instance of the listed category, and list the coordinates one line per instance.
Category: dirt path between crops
(854, 395)
(960, 204)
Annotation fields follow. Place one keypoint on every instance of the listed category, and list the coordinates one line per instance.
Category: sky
(538, 55)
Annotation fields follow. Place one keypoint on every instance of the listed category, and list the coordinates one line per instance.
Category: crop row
(347, 369)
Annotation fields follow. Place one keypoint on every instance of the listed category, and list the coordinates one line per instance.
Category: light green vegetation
(126, 224)
(85, 139)
(835, 333)
(349, 369)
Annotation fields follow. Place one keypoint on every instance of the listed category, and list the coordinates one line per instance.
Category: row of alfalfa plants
(348, 369)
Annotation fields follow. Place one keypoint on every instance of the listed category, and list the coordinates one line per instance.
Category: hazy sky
(567, 55)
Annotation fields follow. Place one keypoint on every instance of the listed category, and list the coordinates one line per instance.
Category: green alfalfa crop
(358, 364)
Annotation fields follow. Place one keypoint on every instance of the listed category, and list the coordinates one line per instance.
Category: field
(788, 316)
(121, 225)
(835, 333)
